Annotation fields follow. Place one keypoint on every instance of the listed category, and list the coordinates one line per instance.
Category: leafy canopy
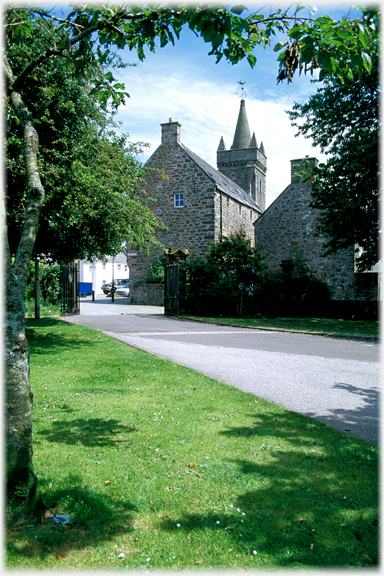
(92, 179)
(89, 33)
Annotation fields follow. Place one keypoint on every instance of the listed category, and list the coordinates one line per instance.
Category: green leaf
(238, 9)
(299, 7)
(296, 32)
(367, 62)
(252, 60)
(364, 39)
(279, 46)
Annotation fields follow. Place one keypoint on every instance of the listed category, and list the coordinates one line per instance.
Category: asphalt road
(332, 380)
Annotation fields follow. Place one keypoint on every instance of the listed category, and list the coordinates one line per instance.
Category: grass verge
(46, 308)
(322, 325)
(164, 468)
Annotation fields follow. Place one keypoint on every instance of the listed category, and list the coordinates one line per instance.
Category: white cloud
(208, 110)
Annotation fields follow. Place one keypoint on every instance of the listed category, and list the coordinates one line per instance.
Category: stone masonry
(211, 204)
(245, 163)
(289, 226)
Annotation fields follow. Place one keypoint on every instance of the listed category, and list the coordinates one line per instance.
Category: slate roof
(226, 185)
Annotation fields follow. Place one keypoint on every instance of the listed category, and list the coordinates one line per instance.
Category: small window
(125, 268)
(104, 266)
(239, 208)
(250, 214)
(119, 266)
(178, 200)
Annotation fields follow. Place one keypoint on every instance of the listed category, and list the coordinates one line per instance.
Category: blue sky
(184, 83)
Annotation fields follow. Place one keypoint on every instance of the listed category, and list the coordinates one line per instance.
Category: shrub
(293, 291)
(156, 273)
(50, 282)
(225, 281)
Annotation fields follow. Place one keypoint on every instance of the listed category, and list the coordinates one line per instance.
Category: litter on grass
(62, 519)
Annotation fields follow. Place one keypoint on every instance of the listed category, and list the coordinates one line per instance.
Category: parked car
(123, 290)
(106, 288)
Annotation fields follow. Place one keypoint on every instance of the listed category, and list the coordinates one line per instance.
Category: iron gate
(171, 288)
(70, 297)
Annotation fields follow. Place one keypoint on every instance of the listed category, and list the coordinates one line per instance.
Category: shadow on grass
(95, 518)
(314, 503)
(89, 432)
(49, 342)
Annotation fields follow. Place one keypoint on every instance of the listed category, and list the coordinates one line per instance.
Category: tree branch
(109, 22)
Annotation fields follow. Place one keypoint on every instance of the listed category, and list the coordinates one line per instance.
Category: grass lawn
(323, 325)
(163, 468)
(46, 308)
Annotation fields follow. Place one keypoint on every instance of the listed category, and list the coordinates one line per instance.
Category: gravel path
(103, 306)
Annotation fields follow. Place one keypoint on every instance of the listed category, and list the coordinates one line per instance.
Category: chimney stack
(170, 132)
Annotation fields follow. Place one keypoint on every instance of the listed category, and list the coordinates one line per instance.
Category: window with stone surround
(178, 200)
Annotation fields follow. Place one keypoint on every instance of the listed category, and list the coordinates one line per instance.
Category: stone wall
(248, 169)
(199, 222)
(289, 226)
(231, 216)
(191, 226)
(147, 295)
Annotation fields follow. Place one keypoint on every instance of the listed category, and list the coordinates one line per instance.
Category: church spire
(253, 143)
(222, 145)
(242, 136)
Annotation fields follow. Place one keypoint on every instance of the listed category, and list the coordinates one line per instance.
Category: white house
(102, 271)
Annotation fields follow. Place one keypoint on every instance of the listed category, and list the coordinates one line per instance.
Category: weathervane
(243, 92)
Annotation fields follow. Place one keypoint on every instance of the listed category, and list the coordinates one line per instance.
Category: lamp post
(113, 279)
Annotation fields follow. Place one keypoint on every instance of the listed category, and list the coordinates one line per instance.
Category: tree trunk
(22, 485)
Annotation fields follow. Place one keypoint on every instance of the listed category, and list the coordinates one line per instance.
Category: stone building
(289, 227)
(198, 203)
(245, 163)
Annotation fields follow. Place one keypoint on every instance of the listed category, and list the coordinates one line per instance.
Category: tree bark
(22, 485)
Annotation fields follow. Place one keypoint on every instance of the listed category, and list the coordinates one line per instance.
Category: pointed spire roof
(262, 148)
(253, 143)
(222, 145)
(242, 136)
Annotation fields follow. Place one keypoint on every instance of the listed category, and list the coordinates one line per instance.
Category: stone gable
(289, 226)
(212, 204)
